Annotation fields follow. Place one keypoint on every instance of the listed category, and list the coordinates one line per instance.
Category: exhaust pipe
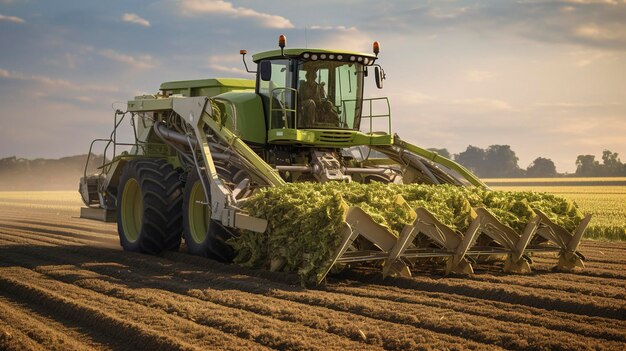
(165, 133)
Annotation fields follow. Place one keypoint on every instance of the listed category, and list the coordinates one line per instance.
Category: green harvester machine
(202, 147)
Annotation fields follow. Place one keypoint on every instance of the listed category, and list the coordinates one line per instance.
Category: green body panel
(238, 144)
(245, 117)
(326, 137)
(206, 87)
(149, 103)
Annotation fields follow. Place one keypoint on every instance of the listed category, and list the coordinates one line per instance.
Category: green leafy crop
(305, 220)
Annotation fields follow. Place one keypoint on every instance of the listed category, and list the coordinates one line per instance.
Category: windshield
(329, 94)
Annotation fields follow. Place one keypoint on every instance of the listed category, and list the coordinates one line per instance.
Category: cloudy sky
(546, 77)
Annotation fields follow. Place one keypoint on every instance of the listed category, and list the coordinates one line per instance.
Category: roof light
(352, 58)
(306, 55)
(376, 48)
(282, 41)
(313, 57)
(323, 56)
(331, 56)
(339, 57)
(360, 59)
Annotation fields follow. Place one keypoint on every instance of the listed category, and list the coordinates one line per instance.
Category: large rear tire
(203, 236)
(149, 211)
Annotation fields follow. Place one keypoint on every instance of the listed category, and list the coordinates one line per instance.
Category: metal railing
(371, 115)
(112, 141)
(280, 94)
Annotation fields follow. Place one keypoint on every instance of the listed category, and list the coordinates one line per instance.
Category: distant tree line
(499, 161)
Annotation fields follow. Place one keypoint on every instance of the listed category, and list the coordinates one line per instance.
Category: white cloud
(55, 82)
(416, 98)
(140, 62)
(448, 13)
(331, 28)
(11, 19)
(476, 104)
(587, 2)
(586, 57)
(227, 69)
(227, 63)
(576, 105)
(339, 38)
(478, 76)
(219, 7)
(484, 104)
(600, 33)
(134, 18)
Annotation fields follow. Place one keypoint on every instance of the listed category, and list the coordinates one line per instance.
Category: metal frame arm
(433, 156)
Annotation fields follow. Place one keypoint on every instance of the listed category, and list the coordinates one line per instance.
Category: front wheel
(203, 236)
(149, 211)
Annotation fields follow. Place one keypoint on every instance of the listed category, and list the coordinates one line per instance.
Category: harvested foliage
(305, 219)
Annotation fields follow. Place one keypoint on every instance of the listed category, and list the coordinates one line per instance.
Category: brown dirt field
(65, 284)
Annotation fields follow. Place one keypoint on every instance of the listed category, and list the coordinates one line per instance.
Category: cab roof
(299, 52)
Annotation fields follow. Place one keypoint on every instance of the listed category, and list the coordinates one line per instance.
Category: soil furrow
(48, 333)
(591, 327)
(550, 300)
(84, 238)
(553, 284)
(507, 335)
(504, 339)
(140, 326)
(263, 330)
(63, 222)
(12, 339)
(88, 227)
(38, 238)
(345, 324)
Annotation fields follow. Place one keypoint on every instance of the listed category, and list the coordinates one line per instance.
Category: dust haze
(18, 174)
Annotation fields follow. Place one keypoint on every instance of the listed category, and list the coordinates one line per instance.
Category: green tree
(612, 165)
(587, 166)
(541, 167)
(501, 162)
(473, 158)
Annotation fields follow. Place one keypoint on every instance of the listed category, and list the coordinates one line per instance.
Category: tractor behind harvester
(202, 147)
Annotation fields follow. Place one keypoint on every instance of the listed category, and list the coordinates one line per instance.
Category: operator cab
(312, 88)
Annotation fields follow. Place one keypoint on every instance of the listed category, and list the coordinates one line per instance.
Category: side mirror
(266, 71)
(379, 74)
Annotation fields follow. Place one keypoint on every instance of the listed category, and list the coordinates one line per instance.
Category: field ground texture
(604, 198)
(65, 284)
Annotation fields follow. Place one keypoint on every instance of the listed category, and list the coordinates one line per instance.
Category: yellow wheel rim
(132, 210)
(199, 214)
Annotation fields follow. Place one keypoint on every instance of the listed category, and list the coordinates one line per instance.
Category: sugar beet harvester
(202, 147)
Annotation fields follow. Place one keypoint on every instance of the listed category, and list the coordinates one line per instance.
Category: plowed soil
(65, 284)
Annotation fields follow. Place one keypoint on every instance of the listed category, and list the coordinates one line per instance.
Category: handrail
(371, 114)
(282, 107)
(112, 140)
